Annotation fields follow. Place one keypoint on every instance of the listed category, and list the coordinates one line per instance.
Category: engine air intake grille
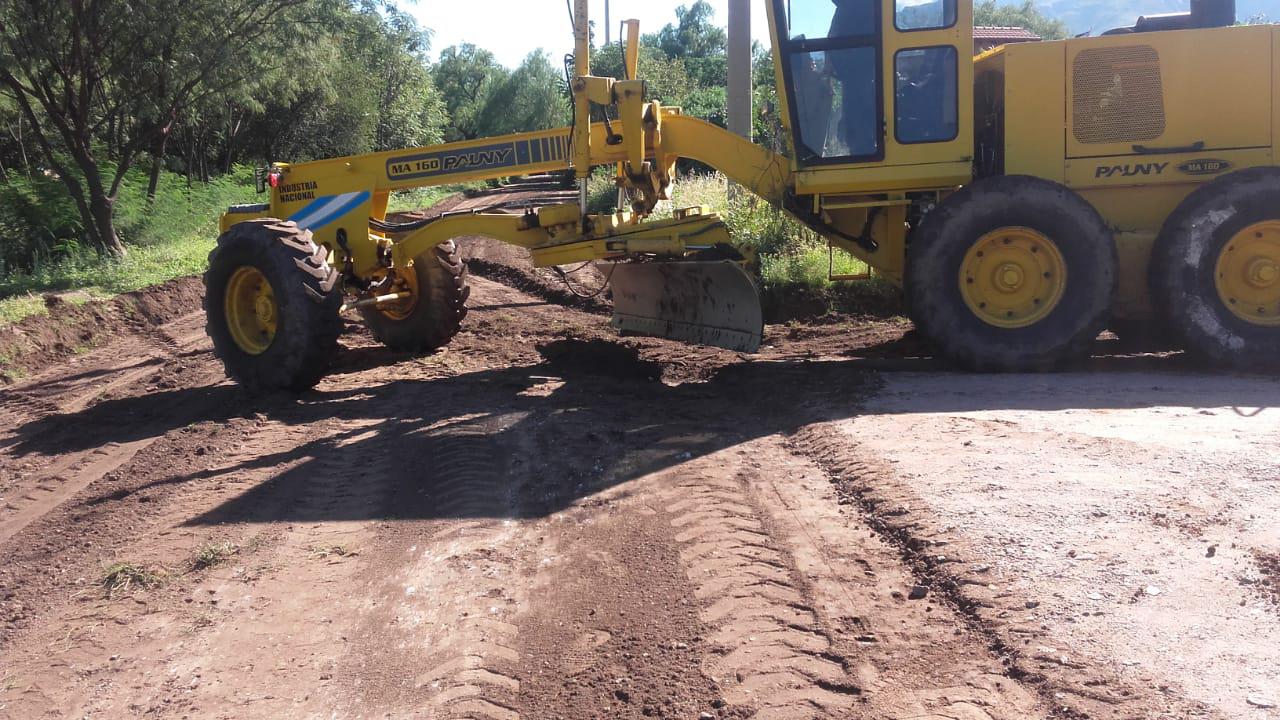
(1119, 96)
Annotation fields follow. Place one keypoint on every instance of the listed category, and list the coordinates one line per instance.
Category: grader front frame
(1094, 178)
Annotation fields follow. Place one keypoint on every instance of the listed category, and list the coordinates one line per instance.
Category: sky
(510, 29)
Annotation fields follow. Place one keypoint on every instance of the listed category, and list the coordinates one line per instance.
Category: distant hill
(1101, 15)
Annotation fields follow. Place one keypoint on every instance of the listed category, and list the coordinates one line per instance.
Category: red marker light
(273, 179)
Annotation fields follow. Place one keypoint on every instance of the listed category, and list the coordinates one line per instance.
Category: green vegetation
(113, 175)
(419, 198)
(171, 239)
(213, 554)
(1026, 15)
(790, 254)
(122, 577)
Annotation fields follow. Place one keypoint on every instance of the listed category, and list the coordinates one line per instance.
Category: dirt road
(547, 521)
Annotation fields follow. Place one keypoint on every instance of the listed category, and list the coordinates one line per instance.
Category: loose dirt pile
(69, 329)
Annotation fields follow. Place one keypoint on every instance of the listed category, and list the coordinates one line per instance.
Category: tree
(78, 67)
(465, 76)
(367, 87)
(391, 51)
(694, 35)
(666, 79)
(1027, 15)
(531, 98)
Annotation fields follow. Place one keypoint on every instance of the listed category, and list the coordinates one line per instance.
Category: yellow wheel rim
(406, 281)
(1248, 274)
(1013, 277)
(251, 311)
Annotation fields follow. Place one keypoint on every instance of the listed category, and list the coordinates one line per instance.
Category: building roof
(1004, 34)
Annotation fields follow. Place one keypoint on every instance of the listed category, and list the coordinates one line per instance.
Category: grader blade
(704, 303)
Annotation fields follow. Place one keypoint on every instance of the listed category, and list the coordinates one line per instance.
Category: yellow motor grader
(1026, 198)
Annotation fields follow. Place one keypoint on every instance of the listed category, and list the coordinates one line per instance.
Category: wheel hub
(1262, 273)
(250, 310)
(1013, 277)
(1009, 278)
(265, 310)
(406, 281)
(1247, 275)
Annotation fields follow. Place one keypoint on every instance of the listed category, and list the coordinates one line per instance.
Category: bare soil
(547, 521)
(71, 329)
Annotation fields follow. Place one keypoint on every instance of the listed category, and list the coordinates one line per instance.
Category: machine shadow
(593, 415)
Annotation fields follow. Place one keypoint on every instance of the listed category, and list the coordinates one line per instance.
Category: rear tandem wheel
(1215, 271)
(1011, 274)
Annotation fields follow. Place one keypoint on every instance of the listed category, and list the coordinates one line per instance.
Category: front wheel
(271, 303)
(1012, 274)
(437, 280)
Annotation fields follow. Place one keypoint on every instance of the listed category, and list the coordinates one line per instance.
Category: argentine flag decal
(325, 210)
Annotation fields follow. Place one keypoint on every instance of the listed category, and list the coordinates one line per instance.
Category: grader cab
(1026, 199)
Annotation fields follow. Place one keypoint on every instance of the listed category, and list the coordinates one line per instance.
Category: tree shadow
(593, 415)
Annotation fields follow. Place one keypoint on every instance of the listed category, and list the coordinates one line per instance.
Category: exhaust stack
(1213, 13)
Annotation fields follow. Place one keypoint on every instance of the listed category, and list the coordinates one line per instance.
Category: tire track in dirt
(772, 654)
(104, 370)
(893, 512)
(284, 499)
(441, 652)
(479, 676)
(30, 495)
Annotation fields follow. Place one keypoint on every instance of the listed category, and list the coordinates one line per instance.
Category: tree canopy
(1026, 15)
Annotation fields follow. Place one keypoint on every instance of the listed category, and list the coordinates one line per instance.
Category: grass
(795, 262)
(425, 197)
(213, 554)
(790, 254)
(122, 577)
(324, 551)
(173, 237)
(168, 240)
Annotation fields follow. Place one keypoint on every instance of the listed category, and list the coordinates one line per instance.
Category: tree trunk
(103, 208)
(157, 161)
(99, 214)
(191, 158)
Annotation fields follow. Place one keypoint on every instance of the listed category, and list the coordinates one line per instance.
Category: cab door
(929, 81)
(870, 82)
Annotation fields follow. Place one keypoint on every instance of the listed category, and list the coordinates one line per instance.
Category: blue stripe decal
(310, 206)
(327, 218)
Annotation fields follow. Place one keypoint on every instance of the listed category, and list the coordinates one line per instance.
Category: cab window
(912, 15)
(831, 55)
(926, 99)
(820, 19)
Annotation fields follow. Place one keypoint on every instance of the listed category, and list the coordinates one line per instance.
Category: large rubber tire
(308, 297)
(437, 312)
(1184, 262)
(937, 250)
